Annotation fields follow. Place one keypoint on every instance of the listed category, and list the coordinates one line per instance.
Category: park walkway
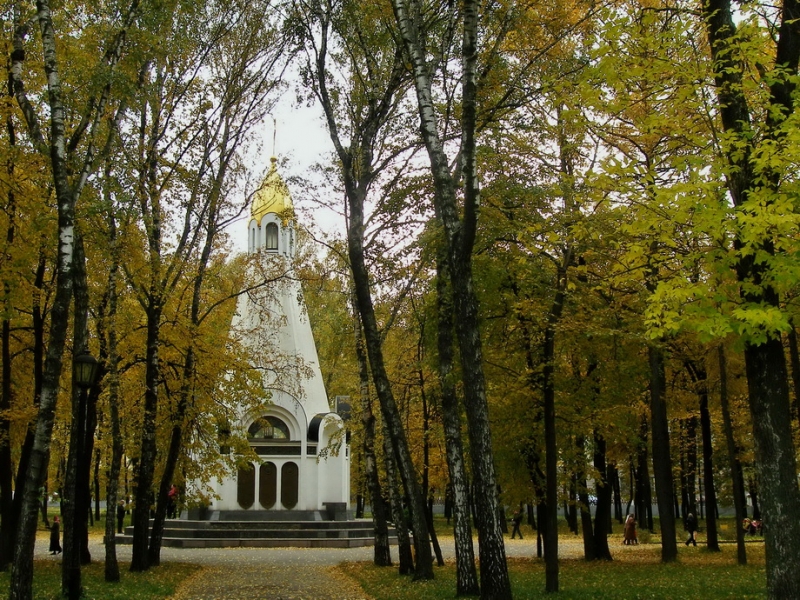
(283, 573)
(296, 573)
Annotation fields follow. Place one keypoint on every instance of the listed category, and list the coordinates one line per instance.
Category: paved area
(282, 573)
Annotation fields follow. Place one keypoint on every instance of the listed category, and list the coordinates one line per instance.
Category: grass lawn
(636, 572)
(158, 582)
(155, 584)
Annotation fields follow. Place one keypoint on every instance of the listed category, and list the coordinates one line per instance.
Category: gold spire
(272, 197)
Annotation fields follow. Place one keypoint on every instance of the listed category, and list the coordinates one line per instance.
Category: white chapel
(293, 434)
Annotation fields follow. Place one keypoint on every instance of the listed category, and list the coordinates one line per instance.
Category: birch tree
(459, 237)
(378, 84)
(72, 161)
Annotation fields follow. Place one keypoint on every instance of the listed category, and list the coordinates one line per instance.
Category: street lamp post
(84, 374)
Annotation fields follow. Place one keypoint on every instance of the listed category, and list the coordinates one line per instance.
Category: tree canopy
(571, 226)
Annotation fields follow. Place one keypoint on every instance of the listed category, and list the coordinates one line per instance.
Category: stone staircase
(263, 529)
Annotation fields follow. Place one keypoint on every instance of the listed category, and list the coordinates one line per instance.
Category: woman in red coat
(629, 534)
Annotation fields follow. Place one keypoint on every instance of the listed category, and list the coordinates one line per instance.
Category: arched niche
(246, 486)
(267, 485)
(289, 485)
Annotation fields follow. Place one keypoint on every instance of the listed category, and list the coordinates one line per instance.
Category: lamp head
(84, 370)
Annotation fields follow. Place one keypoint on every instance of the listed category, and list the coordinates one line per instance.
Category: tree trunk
(644, 501)
(459, 235)
(389, 411)
(677, 507)
(112, 482)
(437, 549)
(426, 451)
(662, 464)
(20, 587)
(752, 490)
(38, 377)
(541, 532)
(357, 173)
(602, 515)
(6, 473)
(6, 468)
(381, 553)
(740, 475)
(405, 556)
(712, 541)
(551, 447)
(84, 508)
(152, 298)
(777, 468)
(96, 480)
(145, 468)
(615, 484)
(494, 569)
(589, 551)
(733, 458)
(466, 573)
(765, 363)
(683, 479)
(571, 508)
(631, 486)
(76, 480)
(794, 361)
(86, 465)
(171, 460)
(691, 465)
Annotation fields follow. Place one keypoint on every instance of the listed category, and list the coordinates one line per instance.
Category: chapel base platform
(223, 532)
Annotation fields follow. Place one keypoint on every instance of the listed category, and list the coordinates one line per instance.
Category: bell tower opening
(272, 236)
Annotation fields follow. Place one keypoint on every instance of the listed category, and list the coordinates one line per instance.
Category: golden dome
(272, 197)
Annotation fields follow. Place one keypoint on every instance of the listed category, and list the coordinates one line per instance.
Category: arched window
(272, 236)
(268, 428)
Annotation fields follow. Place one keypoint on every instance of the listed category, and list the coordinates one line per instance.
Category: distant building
(294, 434)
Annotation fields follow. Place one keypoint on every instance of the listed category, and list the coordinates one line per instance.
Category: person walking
(691, 527)
(516, 520)
(120, 516)
(629, 533)
(172, 501)
(55, 536)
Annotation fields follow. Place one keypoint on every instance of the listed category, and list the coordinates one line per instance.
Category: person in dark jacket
(691, 527)
(55, 536)
(120, 516)
(516, 520)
